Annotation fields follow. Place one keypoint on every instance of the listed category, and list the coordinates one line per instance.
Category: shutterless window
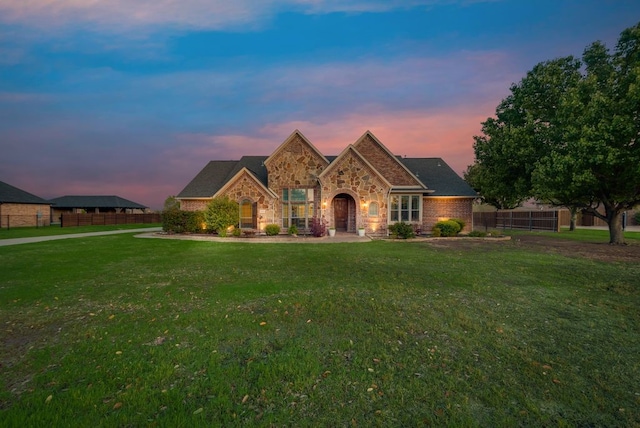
(373, 209)
(246, 213)
(297, 207)
(405, 208)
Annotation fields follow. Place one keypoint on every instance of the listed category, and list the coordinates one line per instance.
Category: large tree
(567, 134)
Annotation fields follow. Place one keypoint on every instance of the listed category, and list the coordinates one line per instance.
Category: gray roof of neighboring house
(94, 202)
(11, 194)
(433, 172)
(438, 176)
(217, 173)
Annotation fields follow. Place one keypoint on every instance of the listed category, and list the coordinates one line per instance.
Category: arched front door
(344, 213)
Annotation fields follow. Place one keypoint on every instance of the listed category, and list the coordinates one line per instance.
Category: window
(373, 209)
(297, 207)
(405, 208)
(247, 214)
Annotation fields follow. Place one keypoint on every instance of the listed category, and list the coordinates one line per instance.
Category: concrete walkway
(17, 241)
(262, 239)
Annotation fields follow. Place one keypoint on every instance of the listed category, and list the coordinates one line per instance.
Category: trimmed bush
(447, 227)
(272, 229)
(177, 221)
(402, 230)
(293, 230)
(461, 222)
(237, 232)
(221, 213)
(477, 234)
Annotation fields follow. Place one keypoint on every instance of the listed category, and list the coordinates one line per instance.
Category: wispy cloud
(116, 15)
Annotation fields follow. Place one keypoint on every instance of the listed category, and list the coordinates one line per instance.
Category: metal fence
(521, 220)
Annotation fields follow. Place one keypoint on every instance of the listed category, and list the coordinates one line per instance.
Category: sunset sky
(133, 97)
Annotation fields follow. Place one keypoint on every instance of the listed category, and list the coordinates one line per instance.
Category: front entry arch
(344, 213)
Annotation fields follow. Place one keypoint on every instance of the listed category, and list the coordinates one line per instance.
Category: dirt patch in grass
(602, 251)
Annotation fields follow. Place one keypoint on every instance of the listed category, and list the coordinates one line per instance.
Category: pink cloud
(113, 15)
(446, 133)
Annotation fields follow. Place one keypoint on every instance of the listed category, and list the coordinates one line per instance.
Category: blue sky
(134, 97)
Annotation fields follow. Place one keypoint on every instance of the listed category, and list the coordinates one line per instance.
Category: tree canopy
(568, 135)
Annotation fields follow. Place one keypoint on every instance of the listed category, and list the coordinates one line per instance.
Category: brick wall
(384, 163)
(194, 204)
(436, 209)
(22, 215)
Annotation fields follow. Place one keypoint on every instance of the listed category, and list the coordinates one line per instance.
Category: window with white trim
(405, 208)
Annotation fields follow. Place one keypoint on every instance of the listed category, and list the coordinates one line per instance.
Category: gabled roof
(13, 195)
(217, 173)
(402, 177)
(94, 202)
(440, 178)
(237, 176)
(288, 141)
(350, 149)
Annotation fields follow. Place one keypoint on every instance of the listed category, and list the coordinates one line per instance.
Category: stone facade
(296, 164)
(22, 215)
(351, 175)
(297, 182)
(246, 187)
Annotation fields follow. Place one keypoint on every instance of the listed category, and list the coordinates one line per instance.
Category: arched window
(247, 214)
(373, 209)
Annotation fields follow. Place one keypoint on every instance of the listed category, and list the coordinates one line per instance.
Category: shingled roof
(433, 172)
(94, 202)
(217, 173)
(12, 195)
(439, 177)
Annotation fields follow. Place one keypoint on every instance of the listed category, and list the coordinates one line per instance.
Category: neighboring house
(19, 208)
(364, 186)
(93, 204)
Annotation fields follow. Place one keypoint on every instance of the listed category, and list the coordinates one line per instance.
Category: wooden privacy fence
(521, 220)
(71, 220)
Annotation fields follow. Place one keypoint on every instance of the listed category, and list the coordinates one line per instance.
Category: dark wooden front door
(340, 213)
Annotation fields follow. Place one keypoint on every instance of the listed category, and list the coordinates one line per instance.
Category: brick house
(364, 186)
(19, 208)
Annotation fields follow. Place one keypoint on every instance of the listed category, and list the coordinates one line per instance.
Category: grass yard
(27, 232)
(115, 331)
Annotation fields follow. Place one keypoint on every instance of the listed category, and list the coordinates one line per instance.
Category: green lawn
(28, 232)
(114, 330)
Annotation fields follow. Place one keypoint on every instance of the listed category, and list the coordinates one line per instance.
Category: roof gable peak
(295, 135)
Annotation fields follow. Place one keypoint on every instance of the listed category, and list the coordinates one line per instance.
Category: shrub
(318, 227)
(293, 230)
(477, 234)
(447, 227)
(221, 213)
(272, 229)
(636, 217)
(435, 232)
(237, 232)
(402, 230)
(461, 222)
(177, 221)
